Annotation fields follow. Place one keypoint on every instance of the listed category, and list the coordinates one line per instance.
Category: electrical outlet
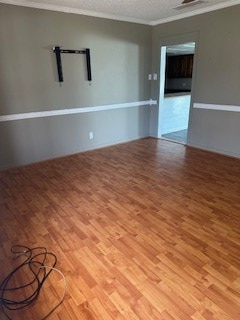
(90, 135)
(149, 76)
(155, 76)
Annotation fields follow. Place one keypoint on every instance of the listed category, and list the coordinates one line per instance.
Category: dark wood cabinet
(180, 66)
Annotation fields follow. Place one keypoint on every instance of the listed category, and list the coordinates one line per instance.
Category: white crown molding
(64, 9)
(218, 6)
(61, 112)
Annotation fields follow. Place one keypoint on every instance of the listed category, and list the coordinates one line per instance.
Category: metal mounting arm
(58, 52)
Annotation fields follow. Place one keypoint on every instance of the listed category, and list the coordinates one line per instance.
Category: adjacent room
(107, 210)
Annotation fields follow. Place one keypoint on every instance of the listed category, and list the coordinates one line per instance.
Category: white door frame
(171, 41)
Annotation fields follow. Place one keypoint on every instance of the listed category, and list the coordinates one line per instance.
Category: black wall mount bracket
(58, 51)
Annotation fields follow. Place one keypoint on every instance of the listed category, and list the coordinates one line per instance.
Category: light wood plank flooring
(147, 230)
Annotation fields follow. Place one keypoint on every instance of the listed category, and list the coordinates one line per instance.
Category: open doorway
(175, 91)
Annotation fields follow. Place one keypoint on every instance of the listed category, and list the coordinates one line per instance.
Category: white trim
(213, 150)
(26, 3)
(218, 6)
(51, 7)
(60, 112)
(218, 107)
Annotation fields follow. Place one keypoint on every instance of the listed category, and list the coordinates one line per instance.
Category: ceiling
(151, 12)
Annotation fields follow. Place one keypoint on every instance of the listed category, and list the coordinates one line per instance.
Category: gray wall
(121, 60)
(216, 76)
(122, 55)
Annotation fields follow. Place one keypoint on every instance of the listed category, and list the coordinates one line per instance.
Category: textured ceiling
(143, 11)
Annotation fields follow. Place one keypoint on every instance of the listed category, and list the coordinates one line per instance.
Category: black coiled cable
(35, 263)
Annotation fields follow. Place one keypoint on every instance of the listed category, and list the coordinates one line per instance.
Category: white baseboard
(214, 150)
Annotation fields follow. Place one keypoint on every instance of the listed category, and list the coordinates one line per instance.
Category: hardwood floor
(146, 230)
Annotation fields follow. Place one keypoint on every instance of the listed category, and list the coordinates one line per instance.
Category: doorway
(176, 70)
